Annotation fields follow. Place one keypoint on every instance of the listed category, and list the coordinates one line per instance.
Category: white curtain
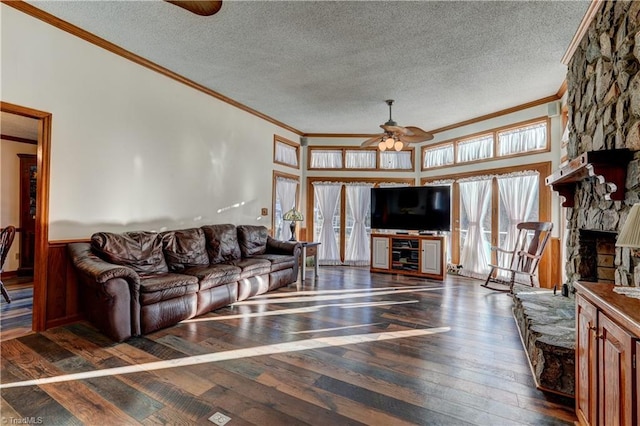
(326, 159)
(326, 196)
(360, 159)
(475, 149)
(286, 198)
(475, 196)
(439, 156)
(396, 160)
(523, 139)
(359, 202)
(286, 154)
(518, 193)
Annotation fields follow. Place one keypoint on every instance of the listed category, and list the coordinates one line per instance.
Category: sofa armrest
(97, 269)
(110, 293)
(283, 247)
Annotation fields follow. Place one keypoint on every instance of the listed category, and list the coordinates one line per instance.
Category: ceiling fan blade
(416, 134)
(416, 139)
(398, 130)
(372, 140)
(199, 7)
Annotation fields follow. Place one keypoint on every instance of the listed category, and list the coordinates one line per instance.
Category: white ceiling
(327, 67)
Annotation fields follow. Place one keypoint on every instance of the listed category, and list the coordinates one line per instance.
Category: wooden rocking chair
(525, 256)
(6, 239)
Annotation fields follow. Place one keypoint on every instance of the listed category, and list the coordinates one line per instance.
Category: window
(438, 156)
(396, 160)
(475, 149)
(525, 138)
(326, 159)
(286, 152)
(285, 195)
(360, 159)
(348, 158)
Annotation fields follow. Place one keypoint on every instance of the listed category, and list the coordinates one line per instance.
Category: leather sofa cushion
(278, 261)
(222, 243)
(251, 266)
(184, 248)
(214, 275)
(140, 250)
(156, 288)
(252, 239)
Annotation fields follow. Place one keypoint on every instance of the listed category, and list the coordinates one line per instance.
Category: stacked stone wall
(603, 83)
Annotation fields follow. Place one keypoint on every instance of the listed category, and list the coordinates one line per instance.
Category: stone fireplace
(603, 100)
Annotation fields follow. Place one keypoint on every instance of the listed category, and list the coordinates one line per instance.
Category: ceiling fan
(199, 7)
(395, 137)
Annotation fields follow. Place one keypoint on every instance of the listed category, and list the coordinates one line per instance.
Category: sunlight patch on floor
(277, 348)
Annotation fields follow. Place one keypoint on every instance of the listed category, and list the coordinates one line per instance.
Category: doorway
(40, 216)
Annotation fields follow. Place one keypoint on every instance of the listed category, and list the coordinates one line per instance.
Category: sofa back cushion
(222, 243)
(184, 248)
(139, 250)
(252, 240)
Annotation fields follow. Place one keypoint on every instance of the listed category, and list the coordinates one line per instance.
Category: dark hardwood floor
(16, 318)
(357, 348)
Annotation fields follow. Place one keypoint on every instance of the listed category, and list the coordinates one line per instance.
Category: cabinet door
(380, 252)
(615, 374)
(431, 257)
(586, 351)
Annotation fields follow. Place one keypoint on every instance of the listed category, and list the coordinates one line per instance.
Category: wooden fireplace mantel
(608, 166)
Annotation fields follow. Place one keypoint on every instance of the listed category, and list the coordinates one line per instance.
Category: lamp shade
(293, 215)
(630, 234)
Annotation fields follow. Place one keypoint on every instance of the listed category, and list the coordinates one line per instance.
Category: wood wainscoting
(62, 305)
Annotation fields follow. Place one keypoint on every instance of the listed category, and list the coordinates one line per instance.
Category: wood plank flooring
(351, 348)
(16, 317)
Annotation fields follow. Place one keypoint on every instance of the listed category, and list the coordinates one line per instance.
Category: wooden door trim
(42, 210)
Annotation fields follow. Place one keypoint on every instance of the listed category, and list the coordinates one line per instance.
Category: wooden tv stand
(416, 255)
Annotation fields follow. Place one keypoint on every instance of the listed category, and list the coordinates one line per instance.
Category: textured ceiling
(18, 126)
(327, 67)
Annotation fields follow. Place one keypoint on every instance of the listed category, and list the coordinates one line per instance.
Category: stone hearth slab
(547, 326)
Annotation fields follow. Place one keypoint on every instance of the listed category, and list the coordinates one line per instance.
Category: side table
(309, 248)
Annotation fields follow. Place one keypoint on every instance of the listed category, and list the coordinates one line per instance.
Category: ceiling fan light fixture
(389, 142)
(382, 146)
(398, 146)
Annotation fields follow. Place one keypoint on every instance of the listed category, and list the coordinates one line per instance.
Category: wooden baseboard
(8, 274)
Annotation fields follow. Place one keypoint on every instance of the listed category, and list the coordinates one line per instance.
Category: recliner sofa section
(134, 283)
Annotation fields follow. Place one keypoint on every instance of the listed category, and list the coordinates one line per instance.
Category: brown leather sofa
(138, 282)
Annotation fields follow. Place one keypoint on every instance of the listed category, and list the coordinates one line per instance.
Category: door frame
(40, 267)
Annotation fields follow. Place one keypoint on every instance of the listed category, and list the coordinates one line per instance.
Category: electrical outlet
(264, 211)
(219, 419)
(17, 256)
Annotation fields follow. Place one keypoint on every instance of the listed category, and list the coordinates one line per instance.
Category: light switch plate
(264, 211)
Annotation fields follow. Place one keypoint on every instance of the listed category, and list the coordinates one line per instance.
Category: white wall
(133, 149)
(10, 190)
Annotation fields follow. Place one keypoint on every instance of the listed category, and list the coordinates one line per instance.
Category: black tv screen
(411, 208)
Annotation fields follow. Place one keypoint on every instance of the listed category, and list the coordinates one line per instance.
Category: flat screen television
(411, 208)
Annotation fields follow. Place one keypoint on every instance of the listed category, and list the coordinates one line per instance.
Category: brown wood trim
(113, 48)
(18, 139)
(64, 320)
(496, 114)
(42, 210)
(276, 139)
(5, 275)
(340, 135)
(562, 89)
(594, 7)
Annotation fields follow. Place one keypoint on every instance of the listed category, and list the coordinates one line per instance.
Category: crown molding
(594, 7)
(113, 48)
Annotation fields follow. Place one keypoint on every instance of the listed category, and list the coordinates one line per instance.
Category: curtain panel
(327, 195)
(286, 154)
(475, 149)
(359, 203)
(475, 196)
(525, 139)
(326, 159)
(286, 200)
(360, 159)
(436, 157)
(393, 160)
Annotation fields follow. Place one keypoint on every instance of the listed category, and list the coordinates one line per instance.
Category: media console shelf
(608, 166)
(417, 255)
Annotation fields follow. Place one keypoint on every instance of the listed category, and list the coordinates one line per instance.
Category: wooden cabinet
(419, 255)
(607, 343)
(27, 227)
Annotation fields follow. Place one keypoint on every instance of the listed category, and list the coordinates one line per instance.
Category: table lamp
(294, 216)
(630, 235)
